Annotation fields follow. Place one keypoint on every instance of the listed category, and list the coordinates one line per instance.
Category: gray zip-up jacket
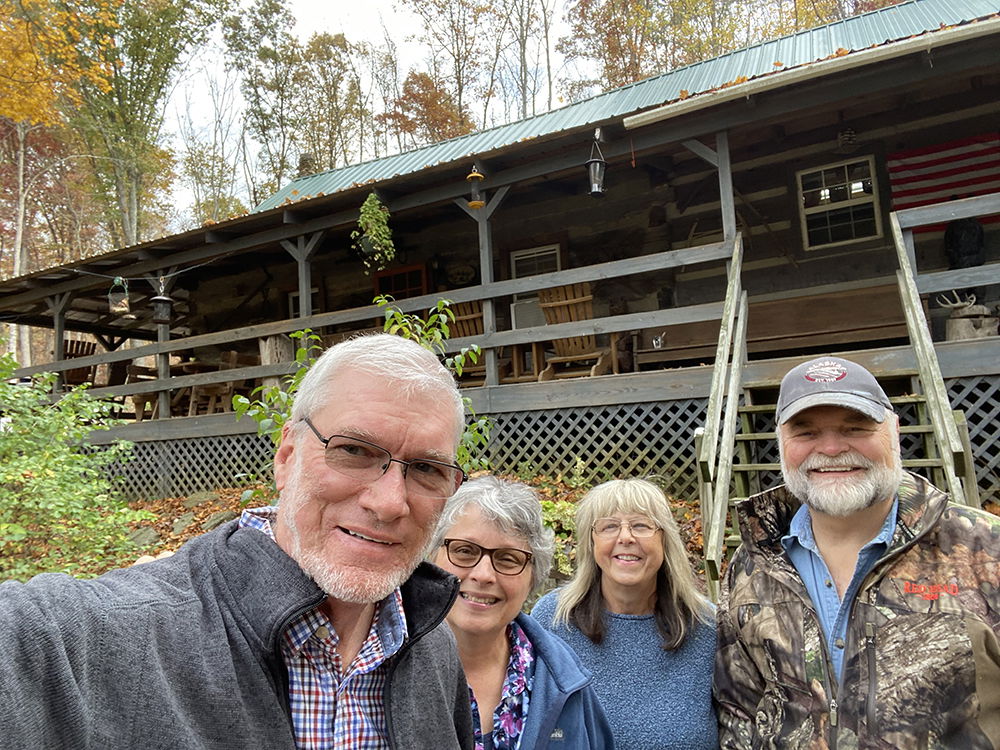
(184, 653)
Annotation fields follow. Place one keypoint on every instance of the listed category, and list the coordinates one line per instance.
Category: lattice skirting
(587, 443)
(176, 468)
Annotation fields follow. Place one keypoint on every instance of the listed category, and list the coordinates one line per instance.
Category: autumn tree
(123, 124)
(381, 62)
(262, 48)
(427, 113)
(333, 123)
(457, 35)
(211, 154)
(623, 38)
(525, 55)
(48, 52)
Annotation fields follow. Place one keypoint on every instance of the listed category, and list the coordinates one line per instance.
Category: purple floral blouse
(508, 718)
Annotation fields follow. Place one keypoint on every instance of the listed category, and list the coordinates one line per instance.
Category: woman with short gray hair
(525, 684)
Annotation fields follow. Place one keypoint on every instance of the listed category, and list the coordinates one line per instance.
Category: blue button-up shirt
(833, 612)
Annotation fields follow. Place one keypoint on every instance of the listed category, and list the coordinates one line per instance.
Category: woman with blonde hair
(634, 615)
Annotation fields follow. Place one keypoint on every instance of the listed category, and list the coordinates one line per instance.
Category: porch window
(531, 261)
(839, 203)
(400, 283)
(293, 303)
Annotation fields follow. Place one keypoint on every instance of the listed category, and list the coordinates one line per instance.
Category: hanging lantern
(161, 308)
(475, 196)
(596, 166)
(118, 297)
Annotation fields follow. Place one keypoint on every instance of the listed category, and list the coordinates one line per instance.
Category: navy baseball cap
(831, 381)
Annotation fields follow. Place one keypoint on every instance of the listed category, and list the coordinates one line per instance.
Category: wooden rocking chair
(79, 375)
(469, 322)
(564, 304)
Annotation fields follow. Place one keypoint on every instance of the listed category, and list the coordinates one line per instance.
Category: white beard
(842, 496)
(354, 584)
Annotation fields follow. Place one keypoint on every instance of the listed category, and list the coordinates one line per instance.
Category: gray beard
(350, 584)
(843, 497)
(355, 586)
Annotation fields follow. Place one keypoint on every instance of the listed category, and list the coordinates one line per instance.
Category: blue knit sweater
(654, 699)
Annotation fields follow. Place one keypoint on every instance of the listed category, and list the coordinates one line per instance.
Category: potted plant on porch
(373, 239)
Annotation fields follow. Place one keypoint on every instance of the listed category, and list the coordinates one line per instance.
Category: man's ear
(283, 457)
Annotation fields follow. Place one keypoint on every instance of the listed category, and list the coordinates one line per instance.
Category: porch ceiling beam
(83, 327)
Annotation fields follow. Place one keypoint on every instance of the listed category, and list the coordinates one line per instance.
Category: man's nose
(386, 497)
(832, 443)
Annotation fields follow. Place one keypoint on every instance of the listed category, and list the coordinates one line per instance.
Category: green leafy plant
(58, 508)
(270, 407)
(373, 239)
(432, 332)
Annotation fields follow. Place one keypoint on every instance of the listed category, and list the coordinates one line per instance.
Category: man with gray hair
(313, 624)
(862, 608)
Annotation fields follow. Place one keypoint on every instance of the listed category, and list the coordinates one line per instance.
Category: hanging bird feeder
(475, 197)
(118, 297)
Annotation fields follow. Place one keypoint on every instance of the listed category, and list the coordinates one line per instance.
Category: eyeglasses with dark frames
(508, 561)
(366, 462)
(640, 528)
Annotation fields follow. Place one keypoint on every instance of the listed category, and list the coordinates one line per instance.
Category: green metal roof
(771, 58)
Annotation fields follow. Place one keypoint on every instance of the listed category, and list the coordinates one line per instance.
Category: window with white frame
(524, 310)
(293, 303)
(838, 203)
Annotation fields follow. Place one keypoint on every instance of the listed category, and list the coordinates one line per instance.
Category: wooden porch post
(720, 160)
(302, 250)
(57, 305)
(726, 193)
(482, 219)
(162, 284)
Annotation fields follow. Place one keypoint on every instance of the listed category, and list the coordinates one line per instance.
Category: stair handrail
(710, 439)
(942, 418)
(716, 534)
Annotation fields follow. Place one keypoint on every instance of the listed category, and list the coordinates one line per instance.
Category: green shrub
(57, 508)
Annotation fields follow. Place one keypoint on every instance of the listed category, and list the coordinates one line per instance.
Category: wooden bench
(830, 320)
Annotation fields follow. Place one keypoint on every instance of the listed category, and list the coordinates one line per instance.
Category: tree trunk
(20, 343)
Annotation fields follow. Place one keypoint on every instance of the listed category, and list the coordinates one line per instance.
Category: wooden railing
(362, 317)
(911, 285)
(715, 442)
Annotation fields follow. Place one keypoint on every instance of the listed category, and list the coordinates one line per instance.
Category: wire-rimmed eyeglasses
(508, 561)
(640, 528)
(359, 459)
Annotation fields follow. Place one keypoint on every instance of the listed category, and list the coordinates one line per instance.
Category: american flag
(933, 174)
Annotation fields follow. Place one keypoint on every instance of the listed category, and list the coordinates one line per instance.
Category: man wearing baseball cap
(862, 608)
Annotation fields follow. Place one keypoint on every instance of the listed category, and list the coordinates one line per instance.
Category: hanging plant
(373, 239)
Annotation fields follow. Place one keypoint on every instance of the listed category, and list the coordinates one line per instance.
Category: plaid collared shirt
(334, 708)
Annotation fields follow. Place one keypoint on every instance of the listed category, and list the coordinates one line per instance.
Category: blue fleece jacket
(563, 712)
(654, 699)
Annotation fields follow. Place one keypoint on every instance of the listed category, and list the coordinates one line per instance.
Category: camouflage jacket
(922, 656)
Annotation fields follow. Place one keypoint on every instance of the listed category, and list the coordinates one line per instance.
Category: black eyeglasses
(508, 561)
(359, 459)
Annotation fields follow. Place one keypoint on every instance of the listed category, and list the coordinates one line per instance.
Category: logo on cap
(826, 372)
